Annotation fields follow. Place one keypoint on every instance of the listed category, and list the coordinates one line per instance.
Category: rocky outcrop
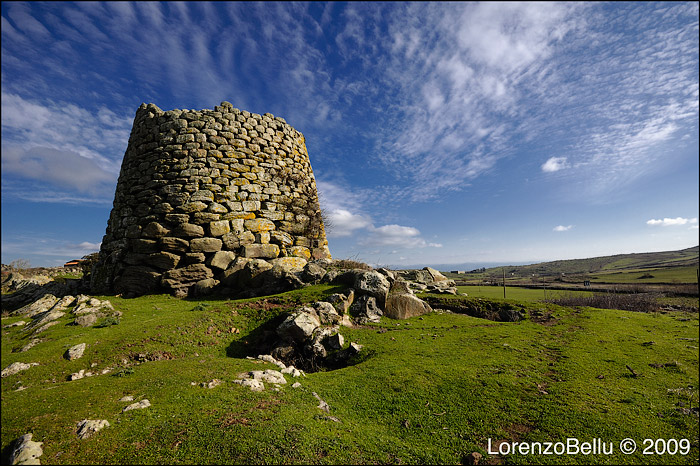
(16, 367)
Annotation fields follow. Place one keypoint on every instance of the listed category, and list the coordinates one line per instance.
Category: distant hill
(685, 260)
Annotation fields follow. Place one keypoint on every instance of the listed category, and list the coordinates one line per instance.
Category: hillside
(668, 267)
(442, 388)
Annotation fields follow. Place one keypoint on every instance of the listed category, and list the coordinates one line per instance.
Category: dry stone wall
(199, 189)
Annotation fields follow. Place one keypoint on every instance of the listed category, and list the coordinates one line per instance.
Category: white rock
(16, 367)
(26, 451)
(87, 427)
(296, 385)
(139, 405)
(271, 360)
(75, 352)
(129, 397)
(254, 384)
(16, 324)
(30, 345)
(77, 375)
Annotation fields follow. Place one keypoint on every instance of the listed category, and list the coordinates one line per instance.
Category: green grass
(659, 275)
(516, 293)
(430, 389)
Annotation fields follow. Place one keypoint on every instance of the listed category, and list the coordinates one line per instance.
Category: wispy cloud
(554, 164)
(60, 146)
(560, 228)
(396, 236)
(672, 222)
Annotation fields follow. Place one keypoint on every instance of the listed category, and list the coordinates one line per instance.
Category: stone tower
(200, 189)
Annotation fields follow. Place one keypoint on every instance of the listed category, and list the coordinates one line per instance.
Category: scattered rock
(87, 427)
(31, 344)
(128, 398)
(271, 360)
(16, 324)
(139, 405)
(269, 375)
(26, 451)
(321, 404)
(296, 385)
(75, 352)
(77, 375)
(16, 367)
(255, 385)
(212, 384)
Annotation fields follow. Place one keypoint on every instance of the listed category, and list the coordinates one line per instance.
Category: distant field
(661, 275)
(670, 267)
(522, 294)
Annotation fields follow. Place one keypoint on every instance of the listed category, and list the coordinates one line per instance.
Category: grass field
(516, 293)
(430, 389)
(658, 275)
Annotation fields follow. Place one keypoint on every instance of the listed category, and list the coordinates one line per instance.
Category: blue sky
(439, 133)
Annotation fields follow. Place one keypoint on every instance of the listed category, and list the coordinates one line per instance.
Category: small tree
(20, 264)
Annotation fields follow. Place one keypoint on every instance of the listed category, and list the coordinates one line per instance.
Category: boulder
(373, 284)
(86, 320)
(313, 273)
(87, 427)
(139, 405)
(75, 352)
(327, 314)
(365, 309)
(16, 367)
(402, 304)
(26, 451)
(299, 326)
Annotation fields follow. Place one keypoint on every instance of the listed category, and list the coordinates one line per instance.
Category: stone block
(188, 230)
(258, 225)
(299, 251)
(154, 230)
(174, 244)
(264, 251)
(222, 259)
(163, 260)
(205, 245)
(219, 228)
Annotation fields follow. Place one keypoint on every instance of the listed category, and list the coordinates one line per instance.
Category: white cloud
(669, 222)
(563, 228)
(344, 223)
(554, 164)
(396, 236)
(61, 147)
